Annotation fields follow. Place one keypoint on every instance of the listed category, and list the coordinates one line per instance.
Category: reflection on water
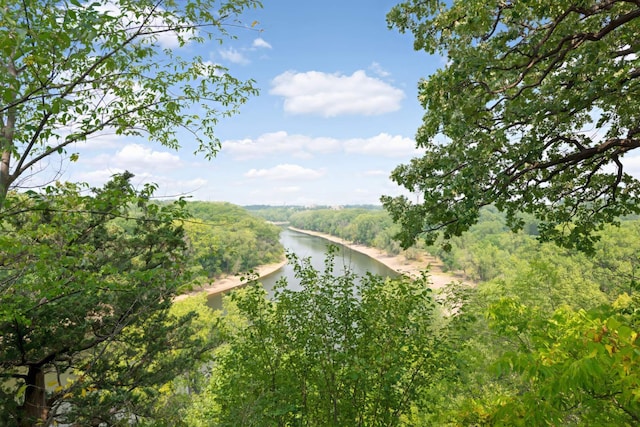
(304, 245)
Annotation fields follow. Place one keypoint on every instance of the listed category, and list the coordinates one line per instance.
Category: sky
(336, 113)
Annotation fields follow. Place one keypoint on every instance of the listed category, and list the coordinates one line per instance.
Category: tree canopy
(225, 238)
(341, 351)
(87, 275)
(84, 293)
(534, 111)
(71, 70)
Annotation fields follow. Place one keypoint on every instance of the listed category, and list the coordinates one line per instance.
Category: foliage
(86, 281)
(364, 226)
(274, 213)
(534, 112)
(616, 260)
(225, 238)
(175, 396)
(341, 351)
(72, 69)
(541, 300)
(580, 367)
(84, 301)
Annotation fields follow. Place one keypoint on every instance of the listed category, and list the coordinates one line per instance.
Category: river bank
(409, 267)
(230, 281)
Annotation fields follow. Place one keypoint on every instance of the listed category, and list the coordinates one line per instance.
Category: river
(304, 245)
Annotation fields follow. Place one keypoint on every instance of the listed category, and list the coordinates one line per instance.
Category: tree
(85, 280)
(176, 396)
(71, 70)
(577, 367)
(85, 297)
(341, 351)
(534, 112)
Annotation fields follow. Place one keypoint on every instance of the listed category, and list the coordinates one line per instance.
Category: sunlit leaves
(71, 70)
(531, 113)
(86, 281)
(581, 365)
(226, 239)
(342, 351)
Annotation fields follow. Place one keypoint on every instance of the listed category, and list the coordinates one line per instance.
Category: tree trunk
(34, 408)
(4, 176)
(8, 123)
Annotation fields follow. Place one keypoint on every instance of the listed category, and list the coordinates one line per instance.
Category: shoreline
(231, 281)
(398, 263)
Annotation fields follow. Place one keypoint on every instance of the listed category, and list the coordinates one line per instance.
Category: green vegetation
(89, 333)
(87, 276)
(86, 310)
(371, 227)
(545, 341)
(86, 288)
(274, 213)
(339, 352)
(225, 238)
(72, 69)
(534, 112)
(284, 213)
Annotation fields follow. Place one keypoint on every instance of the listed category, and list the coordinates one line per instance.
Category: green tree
(175, 397)
(225, 238)
(341, 351)
(86, 280)
(617, 259)
(84, 302)
(534, 112)
(71, 69)
(579, 367)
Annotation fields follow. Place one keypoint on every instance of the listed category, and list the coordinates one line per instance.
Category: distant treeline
(489, 251)
(371, 227)
(225, 238)
(283, 213)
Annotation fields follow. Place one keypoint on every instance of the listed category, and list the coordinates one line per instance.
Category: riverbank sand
(229, 281)
(409, 267)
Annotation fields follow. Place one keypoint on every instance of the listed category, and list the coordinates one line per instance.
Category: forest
(546, 337)
(522, 180)
(226, 239)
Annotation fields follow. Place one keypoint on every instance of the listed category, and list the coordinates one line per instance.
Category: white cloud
(377, 69)
(96, 177)
(135, 157)
(300, 146)
(208, 66)
(331, 95)
(261, 43)
(167, 39)
(631, 164)
(285, 172)
(167, 186)
(104, 139)
(382, 145)
(234, 56)
(303, 146)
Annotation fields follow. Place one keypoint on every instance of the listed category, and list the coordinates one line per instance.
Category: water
(304, 245)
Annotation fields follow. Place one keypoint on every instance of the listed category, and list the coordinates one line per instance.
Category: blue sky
(337, 111)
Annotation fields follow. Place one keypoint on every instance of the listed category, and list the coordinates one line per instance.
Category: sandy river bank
(229, 281)
(409, 267)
